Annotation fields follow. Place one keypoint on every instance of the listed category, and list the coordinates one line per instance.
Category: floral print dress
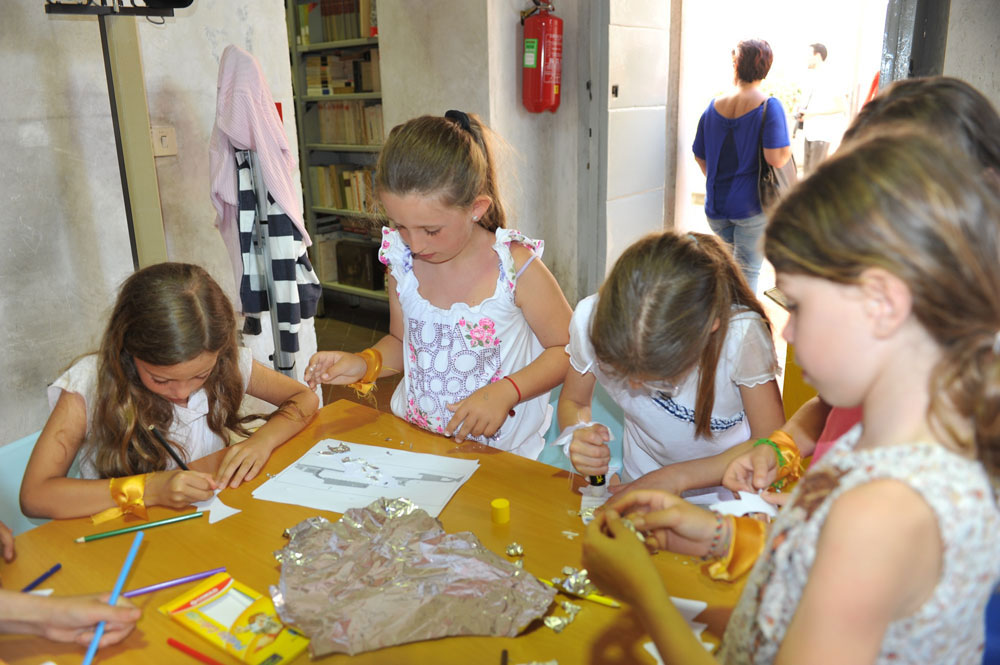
(449, 354)
(948, 627)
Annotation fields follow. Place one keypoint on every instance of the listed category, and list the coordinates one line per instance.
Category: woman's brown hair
(915, 207)
(657, 311)
(165, 314)
(450, 157)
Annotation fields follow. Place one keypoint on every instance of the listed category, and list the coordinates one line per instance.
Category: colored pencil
(174, 582)
(596, 597)
(170, 449)
(41, 578)
(191, 651)
(119, 583)
(137, 527)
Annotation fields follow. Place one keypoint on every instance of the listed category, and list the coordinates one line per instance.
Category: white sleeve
(756, 361)
(580, 350)
(245, 362)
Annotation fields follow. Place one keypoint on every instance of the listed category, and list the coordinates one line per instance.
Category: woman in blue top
(726, 150)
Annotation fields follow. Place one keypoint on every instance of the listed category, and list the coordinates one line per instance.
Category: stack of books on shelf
(328, 74)
(336, 20)
(343, 71)
(350, 123)
(342, 187)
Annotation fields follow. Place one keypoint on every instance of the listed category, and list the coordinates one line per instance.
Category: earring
(475, 218)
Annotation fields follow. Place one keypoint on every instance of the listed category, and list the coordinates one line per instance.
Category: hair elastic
(461, 118)
(996, 343)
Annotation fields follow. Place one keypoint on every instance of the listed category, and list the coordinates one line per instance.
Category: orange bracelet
(128, 493)
(373, 367)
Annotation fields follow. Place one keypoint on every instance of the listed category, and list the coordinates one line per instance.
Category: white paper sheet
(216, 509)
(689, 609)
(339, 481)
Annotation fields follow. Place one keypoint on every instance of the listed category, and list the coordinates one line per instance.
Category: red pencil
(191, 651)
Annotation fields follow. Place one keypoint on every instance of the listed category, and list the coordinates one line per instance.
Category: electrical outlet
(164, 141)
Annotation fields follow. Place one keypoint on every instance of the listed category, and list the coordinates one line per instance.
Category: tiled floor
(353, 327)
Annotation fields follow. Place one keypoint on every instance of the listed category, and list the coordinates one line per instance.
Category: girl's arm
(548, 314)
(878, 559)
(67, 619)
(47, 492)
(765, 413)
(297, 405)
(757, 466)
(588, 451)
(339, 367)
(620, 565)
(762, 404)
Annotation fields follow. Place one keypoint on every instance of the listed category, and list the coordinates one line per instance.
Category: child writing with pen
(889, 256)
(477, 323)
(679, 341)
(168, 360)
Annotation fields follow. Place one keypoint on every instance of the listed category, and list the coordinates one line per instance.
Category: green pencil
(138, 527)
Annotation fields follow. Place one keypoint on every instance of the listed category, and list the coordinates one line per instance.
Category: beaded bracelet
(713, 548)
(777, 451)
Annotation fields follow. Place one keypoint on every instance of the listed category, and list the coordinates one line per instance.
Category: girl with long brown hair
(678, 340)
(168, 360)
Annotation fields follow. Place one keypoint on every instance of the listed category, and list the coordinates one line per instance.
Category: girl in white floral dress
(478, 324)
(886, 552)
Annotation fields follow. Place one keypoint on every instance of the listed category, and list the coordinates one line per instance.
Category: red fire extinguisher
(541, 64)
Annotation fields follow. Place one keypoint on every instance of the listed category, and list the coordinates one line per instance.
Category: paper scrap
(689, 609)
(747, 503)
(216, 509)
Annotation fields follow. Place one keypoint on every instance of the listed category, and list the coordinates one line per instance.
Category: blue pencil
(92, 649)
(41, 578)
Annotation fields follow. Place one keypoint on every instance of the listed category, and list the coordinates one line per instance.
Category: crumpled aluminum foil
(389, 574)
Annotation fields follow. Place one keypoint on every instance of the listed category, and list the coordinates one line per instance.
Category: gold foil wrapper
(389, 574)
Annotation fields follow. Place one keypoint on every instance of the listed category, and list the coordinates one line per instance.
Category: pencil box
(239, 620)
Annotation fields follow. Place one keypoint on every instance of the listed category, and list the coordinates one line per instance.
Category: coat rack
(129, 115)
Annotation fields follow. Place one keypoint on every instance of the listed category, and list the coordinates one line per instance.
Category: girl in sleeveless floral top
(887, 549)
(477, 324)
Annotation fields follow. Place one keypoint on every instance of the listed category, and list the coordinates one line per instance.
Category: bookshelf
(334, 54)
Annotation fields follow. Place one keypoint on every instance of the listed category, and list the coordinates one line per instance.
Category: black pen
(163, 442)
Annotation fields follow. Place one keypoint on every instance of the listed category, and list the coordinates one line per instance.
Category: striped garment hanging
(296, 287)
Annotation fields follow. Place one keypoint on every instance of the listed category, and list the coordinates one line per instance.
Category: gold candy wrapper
(389, 574)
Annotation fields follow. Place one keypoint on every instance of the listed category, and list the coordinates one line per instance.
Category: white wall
(442, 54)
(638, 49)
(66, 245)
(972, 51)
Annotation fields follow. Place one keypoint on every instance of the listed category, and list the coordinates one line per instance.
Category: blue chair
(13, 460)
(991, 656)
(604, 410)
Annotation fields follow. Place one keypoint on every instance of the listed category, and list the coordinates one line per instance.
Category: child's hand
(74, 619)
(482, 412)
(677, 525)
(242, 463)
(616, 561)
(7, 542)
(588, 451)
(176, 489)
(752, 470)
(334, 367)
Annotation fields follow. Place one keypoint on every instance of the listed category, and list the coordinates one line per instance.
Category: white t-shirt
(189, 426)
(659, 430)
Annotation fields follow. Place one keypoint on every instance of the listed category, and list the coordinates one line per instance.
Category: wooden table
(543, 505)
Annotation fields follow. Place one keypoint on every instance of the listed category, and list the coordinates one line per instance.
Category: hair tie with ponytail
(461, 118)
